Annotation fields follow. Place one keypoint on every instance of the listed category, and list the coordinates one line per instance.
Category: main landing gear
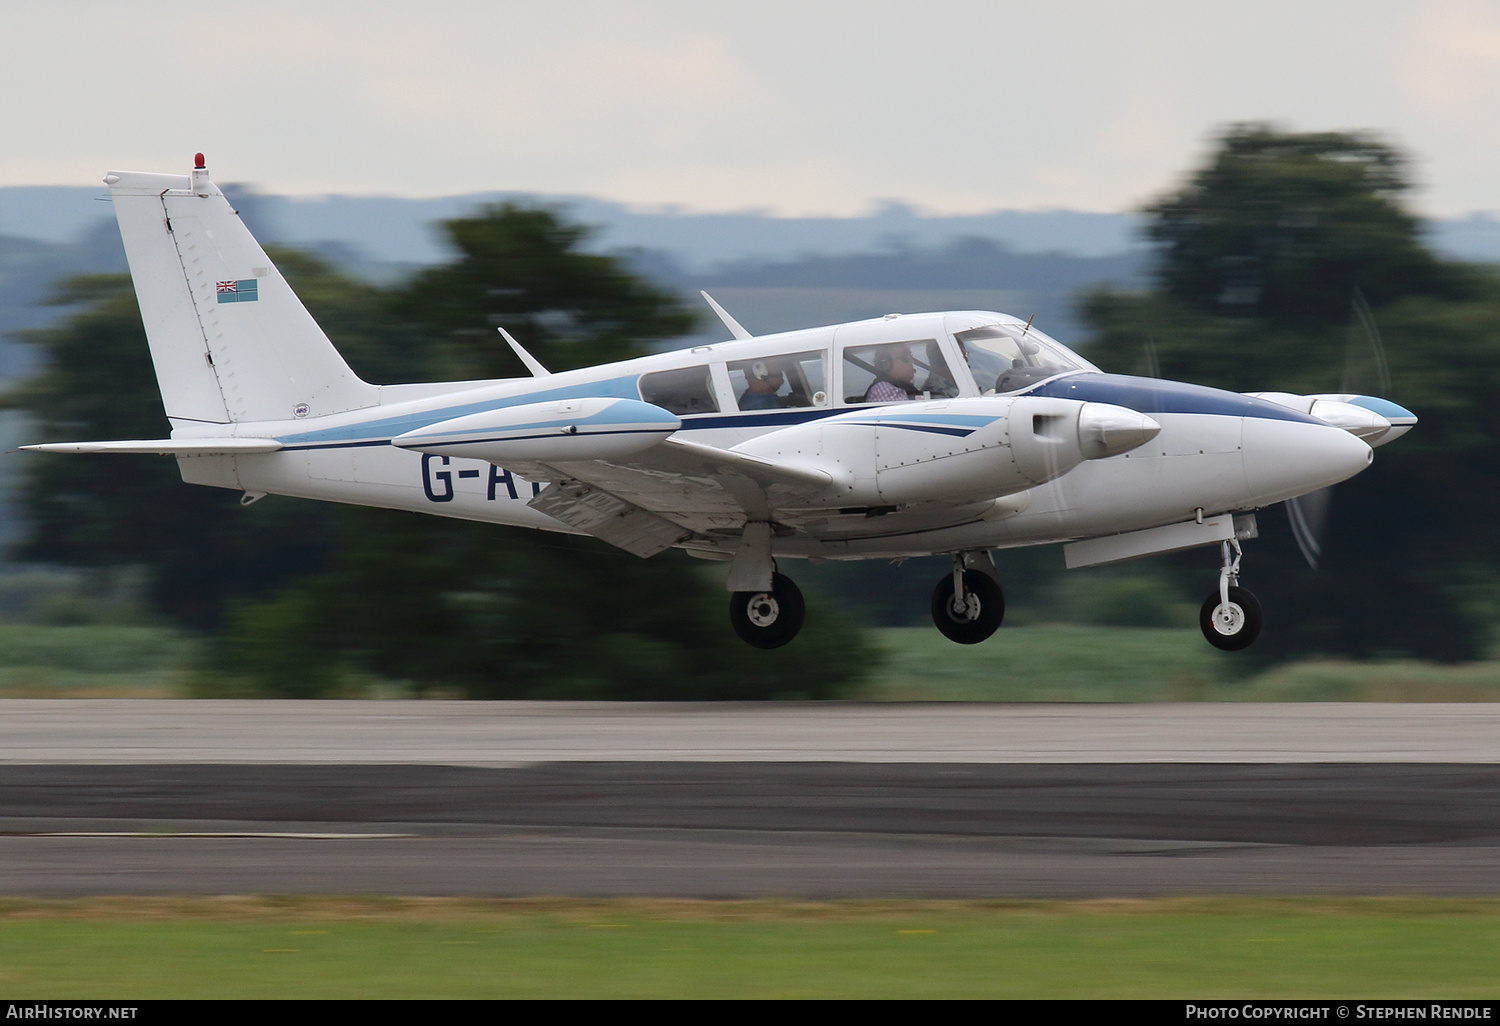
(967, 605)
(1230, 618)
(768, 619)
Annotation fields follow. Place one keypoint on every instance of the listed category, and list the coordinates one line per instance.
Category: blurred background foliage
(1260, 254)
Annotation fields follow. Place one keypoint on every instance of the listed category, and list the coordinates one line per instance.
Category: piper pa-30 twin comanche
(914, 434)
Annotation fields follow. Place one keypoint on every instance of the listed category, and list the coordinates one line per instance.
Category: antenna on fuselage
(532, 363)
(735, 327)
(1026, 329)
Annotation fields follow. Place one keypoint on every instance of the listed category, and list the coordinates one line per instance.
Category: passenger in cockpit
(764, 382)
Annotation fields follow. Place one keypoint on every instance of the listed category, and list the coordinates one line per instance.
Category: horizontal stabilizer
(167, 446)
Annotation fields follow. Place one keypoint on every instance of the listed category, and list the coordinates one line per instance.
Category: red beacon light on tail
(201, 184)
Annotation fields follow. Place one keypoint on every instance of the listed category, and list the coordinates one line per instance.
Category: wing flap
(698, 487)
(608, 518)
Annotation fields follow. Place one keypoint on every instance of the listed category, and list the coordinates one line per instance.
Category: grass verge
(1030, 663)
(97, 661)
(1073, 663)
(465, 948)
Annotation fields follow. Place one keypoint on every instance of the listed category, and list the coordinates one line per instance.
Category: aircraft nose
(1289, 458)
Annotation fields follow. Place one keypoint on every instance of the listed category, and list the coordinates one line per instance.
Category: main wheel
(768, 619)
(1234, 626)
(984, 608)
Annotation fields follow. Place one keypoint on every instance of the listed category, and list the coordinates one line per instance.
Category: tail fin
(229, 339)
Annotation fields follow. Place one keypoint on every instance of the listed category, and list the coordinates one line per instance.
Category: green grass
(39, 661)
(420, 948)
(1072, 663)
(1025, 663)
(1047, 663)
(1330, 680)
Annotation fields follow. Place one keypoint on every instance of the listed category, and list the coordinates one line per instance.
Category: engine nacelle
(1369, 418)
(564, 429)
(953, 449)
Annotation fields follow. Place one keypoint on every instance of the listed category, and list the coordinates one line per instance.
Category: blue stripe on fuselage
(737, 420)
(1152, 395)
(932, 428)
(386, 428)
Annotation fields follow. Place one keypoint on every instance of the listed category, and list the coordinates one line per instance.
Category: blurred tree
(1260, 254)
(521, 268)
(1285, 225)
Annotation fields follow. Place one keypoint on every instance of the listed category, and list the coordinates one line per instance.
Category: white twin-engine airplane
(914, 434)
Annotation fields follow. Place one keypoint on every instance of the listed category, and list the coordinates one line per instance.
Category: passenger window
(897, 371)
(683, 392)
(779, 382)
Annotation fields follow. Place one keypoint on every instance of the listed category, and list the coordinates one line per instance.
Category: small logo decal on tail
(246, 290)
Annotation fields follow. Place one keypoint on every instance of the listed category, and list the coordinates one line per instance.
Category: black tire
(959, 628)
(1237, 631)
(768, 619)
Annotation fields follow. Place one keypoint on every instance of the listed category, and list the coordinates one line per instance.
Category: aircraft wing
(650, 501)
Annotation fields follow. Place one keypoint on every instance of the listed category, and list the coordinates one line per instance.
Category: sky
(791, 107)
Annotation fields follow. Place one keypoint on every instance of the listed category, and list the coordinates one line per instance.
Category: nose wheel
(1230, 618)
(967, 605)
(768, 619)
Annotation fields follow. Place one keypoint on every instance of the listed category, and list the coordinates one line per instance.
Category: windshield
(1010, 357)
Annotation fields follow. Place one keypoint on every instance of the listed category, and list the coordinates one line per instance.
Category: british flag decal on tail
(246, 290)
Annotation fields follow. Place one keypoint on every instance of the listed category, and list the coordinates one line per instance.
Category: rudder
(229, 339)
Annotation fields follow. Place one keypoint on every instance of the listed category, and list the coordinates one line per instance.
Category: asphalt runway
(816, 801)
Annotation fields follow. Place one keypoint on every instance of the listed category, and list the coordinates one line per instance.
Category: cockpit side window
(685, 392)
(1010, 357)
(779, 382)
(897, 371)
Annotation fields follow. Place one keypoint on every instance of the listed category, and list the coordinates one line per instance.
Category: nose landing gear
(1230, 618)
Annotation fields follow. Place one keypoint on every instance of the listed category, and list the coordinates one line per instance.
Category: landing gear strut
(967, 605)
(768, 619)
(1230, 618)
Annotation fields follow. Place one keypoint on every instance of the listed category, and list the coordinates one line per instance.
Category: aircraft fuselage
(1216, 451)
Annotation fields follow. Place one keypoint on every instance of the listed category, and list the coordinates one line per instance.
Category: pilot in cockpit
(894, 369)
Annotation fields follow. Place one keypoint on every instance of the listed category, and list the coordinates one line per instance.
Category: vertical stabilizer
(230, 340)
